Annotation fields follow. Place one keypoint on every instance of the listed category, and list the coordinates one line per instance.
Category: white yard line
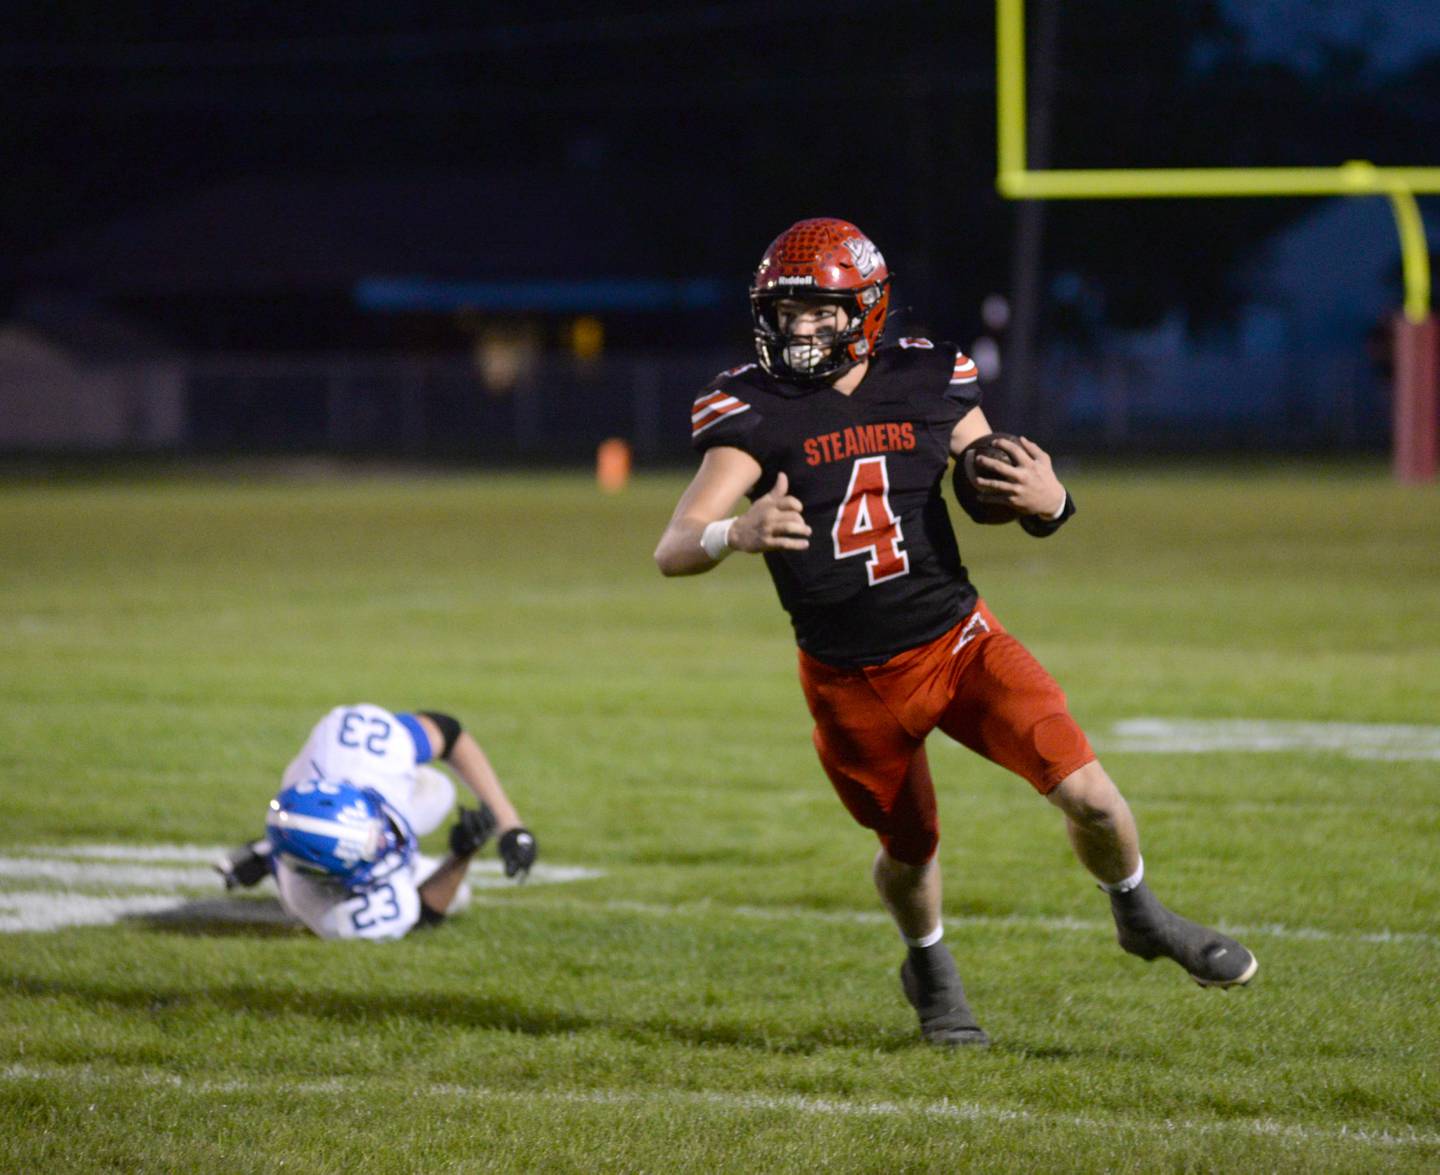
(42, 910)
(174, 853)
(1382, 742)
(38, 910)
(113, 865)
(1021, 921)
(100, 875)
(105, 884)
(1355, 740)
(44, 889)
(945, 1109)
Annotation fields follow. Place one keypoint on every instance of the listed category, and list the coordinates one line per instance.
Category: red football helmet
(823, 260)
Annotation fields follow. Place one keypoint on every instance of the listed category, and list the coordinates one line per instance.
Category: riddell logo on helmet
(803, 279)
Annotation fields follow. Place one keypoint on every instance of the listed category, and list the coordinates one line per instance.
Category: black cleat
(931, 982)
(1147, 929)
(246, 866)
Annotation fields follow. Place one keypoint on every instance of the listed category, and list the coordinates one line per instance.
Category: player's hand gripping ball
(968, 494)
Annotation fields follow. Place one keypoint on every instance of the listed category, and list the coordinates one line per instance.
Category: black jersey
(883, 572)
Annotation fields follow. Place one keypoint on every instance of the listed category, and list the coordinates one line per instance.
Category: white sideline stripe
(206, 854)
(134, 852)
(1357, 740)
(96, 875)
(86, 885)
(42, 910)
(493, 874)
(51, 911)
(135, 876)
(744, 1102)
(1021, 921)
(483, 875)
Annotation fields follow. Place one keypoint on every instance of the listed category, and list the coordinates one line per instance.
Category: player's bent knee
(431, 800)
(912, 847)
(1060, 749)
(1088, 796)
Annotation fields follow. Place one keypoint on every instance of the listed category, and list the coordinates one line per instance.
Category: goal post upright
(1416, 334)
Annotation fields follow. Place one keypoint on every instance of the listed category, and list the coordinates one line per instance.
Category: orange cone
(612, 465)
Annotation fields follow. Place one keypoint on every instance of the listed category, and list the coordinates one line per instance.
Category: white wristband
(716, 539)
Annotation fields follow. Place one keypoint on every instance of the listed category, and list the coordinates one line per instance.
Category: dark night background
(223, 181)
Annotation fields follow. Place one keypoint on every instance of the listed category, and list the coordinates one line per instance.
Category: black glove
(518, 850)
(472, 830)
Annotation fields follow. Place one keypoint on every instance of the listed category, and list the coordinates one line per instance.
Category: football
(989, 513)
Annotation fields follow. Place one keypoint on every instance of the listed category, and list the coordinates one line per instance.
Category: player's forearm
(473, 767)
(440, 887)
(680, 551)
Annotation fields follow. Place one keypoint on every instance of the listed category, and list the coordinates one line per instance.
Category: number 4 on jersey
(867, 526)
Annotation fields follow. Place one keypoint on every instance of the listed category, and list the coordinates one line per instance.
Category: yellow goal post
(1016, 181)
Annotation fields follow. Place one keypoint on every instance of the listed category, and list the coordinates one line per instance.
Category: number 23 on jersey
(866, 525)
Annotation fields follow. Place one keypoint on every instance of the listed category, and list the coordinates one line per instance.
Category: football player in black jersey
(842, 447)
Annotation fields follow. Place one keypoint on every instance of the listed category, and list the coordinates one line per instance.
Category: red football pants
(978, 684)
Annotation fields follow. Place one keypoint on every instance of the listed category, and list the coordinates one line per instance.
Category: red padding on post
(1416, 427)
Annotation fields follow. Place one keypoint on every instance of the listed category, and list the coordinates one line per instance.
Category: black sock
(925, 960)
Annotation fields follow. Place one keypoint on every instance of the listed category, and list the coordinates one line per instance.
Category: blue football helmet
(334, 828)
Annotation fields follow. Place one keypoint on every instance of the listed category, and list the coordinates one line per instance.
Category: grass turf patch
(723, 997)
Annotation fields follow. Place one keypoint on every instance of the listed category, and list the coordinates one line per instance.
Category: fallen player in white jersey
(341, 833)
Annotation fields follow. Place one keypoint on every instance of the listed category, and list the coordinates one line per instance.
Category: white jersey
(387, 907)
(371, 748)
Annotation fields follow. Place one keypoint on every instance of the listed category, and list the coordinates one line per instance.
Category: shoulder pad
(732, 372)
(928, 355)
(711, 407)
(965, 371)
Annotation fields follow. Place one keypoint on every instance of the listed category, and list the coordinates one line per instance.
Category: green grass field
(723, 997)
